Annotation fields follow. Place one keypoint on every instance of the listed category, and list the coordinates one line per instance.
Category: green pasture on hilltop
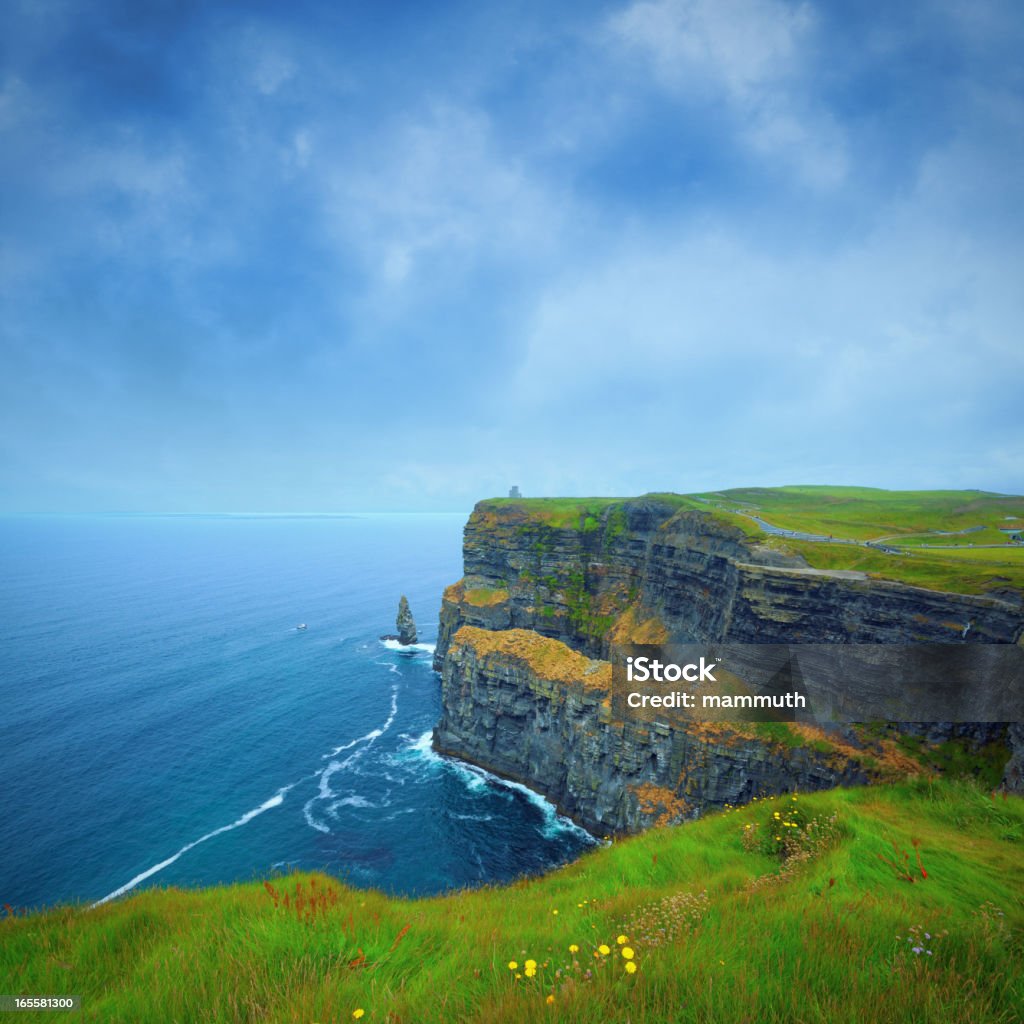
(570, 513)
(889, 904)
(867, 513)
(902, 520)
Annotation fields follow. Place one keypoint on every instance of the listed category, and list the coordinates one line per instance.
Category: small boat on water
(301, 625)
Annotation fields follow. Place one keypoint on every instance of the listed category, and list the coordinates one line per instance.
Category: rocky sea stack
(405, 623)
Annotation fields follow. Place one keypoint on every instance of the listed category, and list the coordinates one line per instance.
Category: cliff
(652, 568)
(531, 709)
(548, 596)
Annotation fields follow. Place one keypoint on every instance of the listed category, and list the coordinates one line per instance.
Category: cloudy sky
(398, 256)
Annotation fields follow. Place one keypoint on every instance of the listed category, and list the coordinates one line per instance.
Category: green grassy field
(568, 513)
(865, 513)
(903, 519)
(886, 904)
(1006, 555)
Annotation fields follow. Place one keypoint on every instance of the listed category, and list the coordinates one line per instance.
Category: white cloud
(270, 71)
(911, 316)
(16, 104)
(432, 189)
(753, 57)
(745, 45)
(302, 147)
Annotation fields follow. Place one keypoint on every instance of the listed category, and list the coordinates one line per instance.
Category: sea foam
(275, 801)
(476, 779)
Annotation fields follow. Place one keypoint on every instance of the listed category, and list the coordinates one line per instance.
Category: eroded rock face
(405, 623)
(1013, 777)
(503, 711)
(688, 578)
(643, 571)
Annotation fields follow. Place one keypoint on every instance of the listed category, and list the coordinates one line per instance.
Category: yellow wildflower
(621, 940)
(357, 1013)
(531, 965)
(627, 953)
(603, 949)
(574, 948)
(630, 967)
(549, 1000)
(530, 971)
(512, 965)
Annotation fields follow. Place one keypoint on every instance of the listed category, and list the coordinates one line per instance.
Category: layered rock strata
(526, 636)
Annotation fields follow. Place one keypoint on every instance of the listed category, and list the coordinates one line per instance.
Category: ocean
(165, 722)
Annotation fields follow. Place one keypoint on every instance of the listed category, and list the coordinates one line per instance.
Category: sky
(401, 256)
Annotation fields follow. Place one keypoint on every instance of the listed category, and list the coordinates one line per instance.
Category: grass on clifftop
(867, 513)
(575, 513)
(889, 904)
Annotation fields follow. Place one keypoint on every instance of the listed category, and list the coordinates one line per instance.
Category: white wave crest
(394, 645)
(325, 792)
(307, 813)
(554, 823)
(275, 801)
(352, 800)
(398, 814)
(420, 752)
(477, 779)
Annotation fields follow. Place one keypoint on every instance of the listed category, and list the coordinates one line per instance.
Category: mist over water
(164, 722)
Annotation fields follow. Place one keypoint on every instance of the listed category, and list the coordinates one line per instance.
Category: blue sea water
(163, 722)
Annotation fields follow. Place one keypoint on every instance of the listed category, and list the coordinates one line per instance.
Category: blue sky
(399, 256)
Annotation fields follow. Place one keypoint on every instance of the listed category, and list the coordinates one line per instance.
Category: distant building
(1012, 533)
(514, 491)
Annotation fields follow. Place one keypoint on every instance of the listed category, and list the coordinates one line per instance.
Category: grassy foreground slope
(899, 903)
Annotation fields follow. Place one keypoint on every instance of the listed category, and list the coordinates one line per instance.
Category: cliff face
(530, 709)
(684, 576)
(646, 570)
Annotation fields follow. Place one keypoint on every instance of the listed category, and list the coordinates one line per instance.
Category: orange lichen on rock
(658, 800)
(890, 761)
(483, 597)
(546, 658)
(726, 733)
(631, 628)
(454, 592)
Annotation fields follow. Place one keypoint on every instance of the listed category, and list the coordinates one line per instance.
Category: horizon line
(238, 514)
